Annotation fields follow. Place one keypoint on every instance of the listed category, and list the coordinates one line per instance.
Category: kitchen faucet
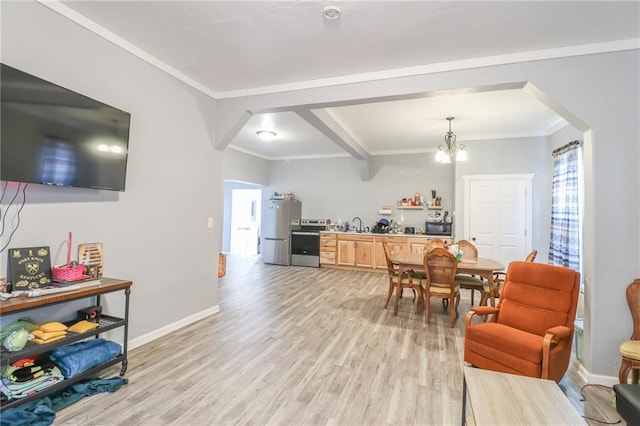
(359, 222)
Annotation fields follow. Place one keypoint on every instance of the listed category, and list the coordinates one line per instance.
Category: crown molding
(101, 31)
(536, 55)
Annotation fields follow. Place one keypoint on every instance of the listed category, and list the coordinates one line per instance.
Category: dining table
(483, 267)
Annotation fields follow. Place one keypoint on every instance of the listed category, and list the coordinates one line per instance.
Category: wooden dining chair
(433, 243)
(399, 281)
(630, 349)
(429, 245)
(440, 268)
(469, 282)
(498, 282)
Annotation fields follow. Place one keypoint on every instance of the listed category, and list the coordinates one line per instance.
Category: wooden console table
(507, 399)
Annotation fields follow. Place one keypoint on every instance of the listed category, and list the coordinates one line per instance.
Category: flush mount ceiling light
(266, 135)
(331, 12)
(445, 152)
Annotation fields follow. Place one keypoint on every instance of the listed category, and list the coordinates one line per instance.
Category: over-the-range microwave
(437, 228)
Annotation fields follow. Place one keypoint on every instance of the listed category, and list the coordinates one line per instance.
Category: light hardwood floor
(301, 346)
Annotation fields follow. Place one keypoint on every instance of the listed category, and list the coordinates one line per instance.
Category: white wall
(334, 189)
(600, 90)
(242, 167)
(155, 233)
(511, 156)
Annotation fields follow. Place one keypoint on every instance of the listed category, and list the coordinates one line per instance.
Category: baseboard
(597, 379)
(582, 372)
(592, 379)
(146, 338)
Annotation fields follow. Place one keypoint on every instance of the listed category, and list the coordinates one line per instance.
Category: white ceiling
(233, 48)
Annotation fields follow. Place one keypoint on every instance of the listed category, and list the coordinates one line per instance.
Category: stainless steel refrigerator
(279, 218)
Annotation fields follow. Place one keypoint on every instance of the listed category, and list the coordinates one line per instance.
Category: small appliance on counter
(409, 230)
(437, 228)
(382, 227)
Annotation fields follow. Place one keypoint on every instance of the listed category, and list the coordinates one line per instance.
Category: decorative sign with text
(29, 268)
(90, 255)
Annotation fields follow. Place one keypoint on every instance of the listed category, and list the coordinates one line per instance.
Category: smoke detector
(331, 12)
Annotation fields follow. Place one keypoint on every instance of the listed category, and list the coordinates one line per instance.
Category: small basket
(68, 273)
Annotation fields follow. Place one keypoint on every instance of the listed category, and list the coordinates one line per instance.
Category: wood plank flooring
(301, 346)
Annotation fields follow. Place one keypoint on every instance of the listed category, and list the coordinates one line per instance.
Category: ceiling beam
(231, 133)
(322, 121)
(365, 169)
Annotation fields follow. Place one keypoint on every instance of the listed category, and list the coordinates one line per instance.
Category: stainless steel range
(305, 242)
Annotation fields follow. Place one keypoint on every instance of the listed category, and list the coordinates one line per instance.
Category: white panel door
(499, 215)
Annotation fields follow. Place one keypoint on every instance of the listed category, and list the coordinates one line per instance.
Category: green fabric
(16, 340)
(26, 323)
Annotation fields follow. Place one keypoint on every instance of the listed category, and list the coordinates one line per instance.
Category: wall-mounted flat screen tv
(55, 136)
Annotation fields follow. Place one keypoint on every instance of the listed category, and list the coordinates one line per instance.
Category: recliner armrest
(481, 310)
(485, 310)
(558, 332)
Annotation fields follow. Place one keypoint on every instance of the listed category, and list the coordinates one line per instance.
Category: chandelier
(445, 152)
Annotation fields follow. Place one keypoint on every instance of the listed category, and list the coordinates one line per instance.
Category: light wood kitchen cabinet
(346, 252)
(364, 252)
(328, 249)
(396, 244)
(355, 250)
(417, 245)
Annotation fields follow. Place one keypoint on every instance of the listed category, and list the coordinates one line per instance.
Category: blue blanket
(42, 412)
(80, 357)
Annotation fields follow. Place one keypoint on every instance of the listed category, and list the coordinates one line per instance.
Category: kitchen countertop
(374, 234)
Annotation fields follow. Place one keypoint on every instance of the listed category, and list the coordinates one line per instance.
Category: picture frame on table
(91, 256)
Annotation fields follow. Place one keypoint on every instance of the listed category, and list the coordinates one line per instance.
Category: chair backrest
(538, 296)
(433, 243)
(440, 268)
(531, 256)
(633, 299)
(469, 251)
(387, 256)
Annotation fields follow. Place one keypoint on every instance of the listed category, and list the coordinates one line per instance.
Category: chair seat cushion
(630, 349)
(484, 338)
(405, 280)
(486, 287)
(442, 290)
(438, 289)
(468, 280)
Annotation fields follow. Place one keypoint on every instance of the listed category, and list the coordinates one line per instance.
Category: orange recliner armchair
(530, 332)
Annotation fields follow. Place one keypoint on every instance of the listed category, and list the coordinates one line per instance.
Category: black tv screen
(55, 136)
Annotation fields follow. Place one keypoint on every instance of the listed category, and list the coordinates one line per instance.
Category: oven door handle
(304, 233)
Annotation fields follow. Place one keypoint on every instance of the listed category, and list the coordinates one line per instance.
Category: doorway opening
(245, 222)
(241, 221)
